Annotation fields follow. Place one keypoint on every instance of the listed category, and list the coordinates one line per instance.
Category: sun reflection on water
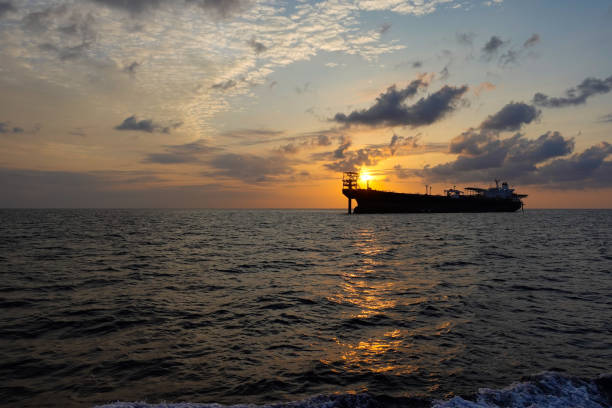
(374, 290)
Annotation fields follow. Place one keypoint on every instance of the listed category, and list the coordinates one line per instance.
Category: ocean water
(135, 308)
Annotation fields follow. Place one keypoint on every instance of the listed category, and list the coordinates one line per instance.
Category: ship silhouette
(475, 199)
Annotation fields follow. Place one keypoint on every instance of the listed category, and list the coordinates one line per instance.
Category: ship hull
(374, 201)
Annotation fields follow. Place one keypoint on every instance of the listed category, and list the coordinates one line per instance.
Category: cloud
(43, 20)
(303, 89)
(6, 128)
(587, 169)
(531, 41)
(384, 28)
(510, 57)
(344, 159)
(253, 134)
(131, 69)
(145, 125)
(257, 47)
(482, 87)
(225, 85)
(71, 24)
(417, 64)
(66, 53)
(465, 38)
(390, 110)
(184, 153)
(577, 95)
(484, 156)
(511, 117)
(133, 6)
(305, 142)
(249, 168)
(61, 189)
(492, 47)
(6, 7)
(219, 8)
(606, 118)
(444, 73)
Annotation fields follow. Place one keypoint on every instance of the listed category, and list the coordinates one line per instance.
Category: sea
(305, 309)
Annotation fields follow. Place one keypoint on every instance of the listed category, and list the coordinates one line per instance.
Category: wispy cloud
(575, 96)
(180, 154)
(531, 41)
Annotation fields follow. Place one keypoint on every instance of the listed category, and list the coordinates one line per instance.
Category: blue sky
(252, 103)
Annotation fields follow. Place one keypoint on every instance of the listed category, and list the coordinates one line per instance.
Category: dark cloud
(132, 6)
(484, 156)
(257, 47)
(492, 47)
(76, 29)
(250, 168)
(344, 159)
(531, 41)
(354, 160)
(305, 142)
(510, 57)
(465, 38)
(221, 8)
(42, 20)
(131, 123)
(131, 69)
(184, 153)
(344, 144)
(218, 8)
(417, 64)
(225, 85)
(57, 189)
(6, 128)
(6, 7)
(444, 73)
(398, 142)
(390, 110)
(587, 169)
(511, 117)
(577, 95)
(66, 53)
(79, 26)
(145, 125)
(384, 28)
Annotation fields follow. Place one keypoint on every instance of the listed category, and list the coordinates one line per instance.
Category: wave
(545, 390)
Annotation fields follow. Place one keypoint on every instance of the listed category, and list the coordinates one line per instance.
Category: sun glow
(365, 176)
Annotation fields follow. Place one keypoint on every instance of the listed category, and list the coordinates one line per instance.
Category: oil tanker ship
(493, 199)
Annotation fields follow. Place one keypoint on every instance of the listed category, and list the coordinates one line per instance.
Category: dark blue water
(239, 307)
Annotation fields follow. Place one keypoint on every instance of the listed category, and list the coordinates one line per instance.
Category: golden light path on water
(374, 292)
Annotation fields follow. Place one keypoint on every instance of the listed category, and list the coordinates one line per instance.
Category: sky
(263, 104)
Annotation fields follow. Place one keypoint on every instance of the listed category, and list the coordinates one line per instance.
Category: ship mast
(349, 182)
